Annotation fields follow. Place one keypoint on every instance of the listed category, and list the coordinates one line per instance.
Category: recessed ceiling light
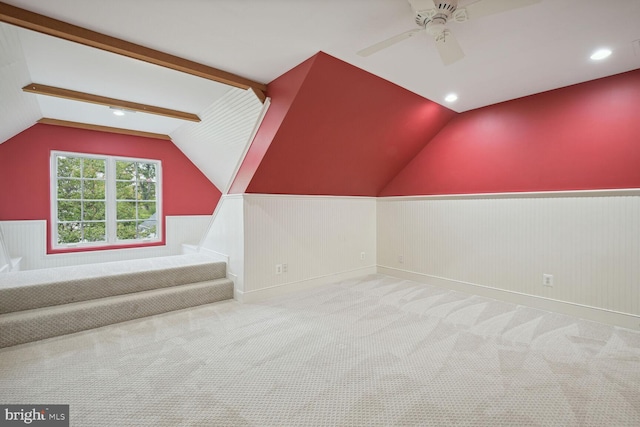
(118, 112)
(451, 97)
(600, 54)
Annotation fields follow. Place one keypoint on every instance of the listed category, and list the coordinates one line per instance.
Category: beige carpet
(374, 351)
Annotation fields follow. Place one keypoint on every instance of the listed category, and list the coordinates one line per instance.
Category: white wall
(225, 237)
(501, 246)
(320, 239)
(5, 258)
(27, 239)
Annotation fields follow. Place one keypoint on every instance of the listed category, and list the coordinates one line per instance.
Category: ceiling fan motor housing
(434, 20)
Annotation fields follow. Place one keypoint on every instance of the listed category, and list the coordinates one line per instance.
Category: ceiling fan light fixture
(600, 54)
(452, 97)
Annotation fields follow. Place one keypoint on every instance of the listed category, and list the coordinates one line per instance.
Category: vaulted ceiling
(532, 49)
(509, 55)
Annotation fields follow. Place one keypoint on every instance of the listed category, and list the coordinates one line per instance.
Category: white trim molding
(595, 314)
(300, 285)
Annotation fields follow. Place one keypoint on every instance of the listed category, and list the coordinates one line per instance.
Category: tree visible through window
(136, 200)
(104, 199)
(81, 199)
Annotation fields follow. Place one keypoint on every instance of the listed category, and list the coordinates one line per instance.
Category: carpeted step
(25, 290)
(32, 325)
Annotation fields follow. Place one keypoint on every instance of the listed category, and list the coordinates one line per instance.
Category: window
(104, 200)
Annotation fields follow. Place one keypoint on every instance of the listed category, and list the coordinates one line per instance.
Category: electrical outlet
(636, 46)
(285, 268)
(401, 259)
(362, 255)
(278, 268)
(547, 280)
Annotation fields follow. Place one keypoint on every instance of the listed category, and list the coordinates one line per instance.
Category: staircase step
(36, 324)
(31, 289)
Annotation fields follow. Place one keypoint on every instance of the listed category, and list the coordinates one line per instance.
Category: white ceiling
(514, 54)
(517, 53)
(215, 144)
(60, 63)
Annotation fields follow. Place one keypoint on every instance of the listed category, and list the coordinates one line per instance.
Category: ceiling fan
(432, 17)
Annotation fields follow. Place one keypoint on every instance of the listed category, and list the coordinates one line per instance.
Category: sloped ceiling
(17, 110)
(581, 137)
(518, 53)
(216, 144)
(509, 55)
(345, 132)
(55, 62)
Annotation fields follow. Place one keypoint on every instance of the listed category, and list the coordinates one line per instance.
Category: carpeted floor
(373, 351)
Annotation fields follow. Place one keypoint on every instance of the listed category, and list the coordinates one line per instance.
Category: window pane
(146, 172)
(125, 170)
(94, 190)
(94, 211)
(69, 233)
(127, 230)
(69, 211)
(84, 200)
(146, 190)
(94, 231)
(126, 210)
(69, 188)
(146, 210)
(147, 229)
(93, 168)
(69, 166)
(125, 190)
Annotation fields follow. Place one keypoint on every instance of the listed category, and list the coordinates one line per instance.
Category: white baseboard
(189, 249)
(285, 288)
(595, 314)
(215, 255)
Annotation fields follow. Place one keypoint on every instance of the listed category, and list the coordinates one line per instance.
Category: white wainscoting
(225, 237)
(320, 239)
(588, 241)
(27, 239)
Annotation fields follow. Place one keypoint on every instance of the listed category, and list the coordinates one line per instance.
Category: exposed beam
(109, 102)
(261, 95)
(53, 27)
(99, 128)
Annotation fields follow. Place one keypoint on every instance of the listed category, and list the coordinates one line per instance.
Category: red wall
(580, 137)
(341, 131)
(282, 92)
(24, 170)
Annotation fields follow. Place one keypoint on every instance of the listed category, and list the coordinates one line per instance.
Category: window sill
(75, 249)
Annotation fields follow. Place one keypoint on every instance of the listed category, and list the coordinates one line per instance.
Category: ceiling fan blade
(449, 48)
(389, 42)
(418, 5)
(489, 7)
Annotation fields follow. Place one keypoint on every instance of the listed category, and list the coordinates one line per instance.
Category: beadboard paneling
(216, 144)
(315, 236)
(27, 239)
(18, 110)
(225, 236)
(590, 244)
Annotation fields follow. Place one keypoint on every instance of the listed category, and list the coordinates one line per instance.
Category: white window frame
(110, 203)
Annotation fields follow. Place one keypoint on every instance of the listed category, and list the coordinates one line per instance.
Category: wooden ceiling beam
(53, 27)
(109, 102)
(99, 128)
